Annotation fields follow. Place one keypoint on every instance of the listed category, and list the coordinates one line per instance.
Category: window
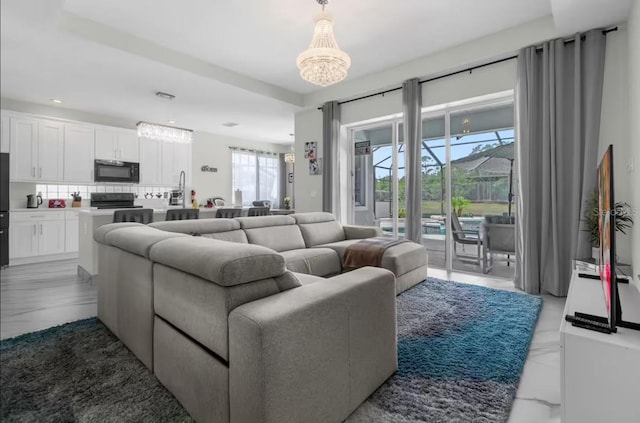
(257, 175)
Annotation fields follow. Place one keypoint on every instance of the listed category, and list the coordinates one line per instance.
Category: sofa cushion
(221, 229)
(280, 233)
(200, 308)
(313, 261)
(306, 279)
(339, 247)
(319, 228)
(262, 221)
(139, 239)
(226, 263)
(405, 257)
(101, 231)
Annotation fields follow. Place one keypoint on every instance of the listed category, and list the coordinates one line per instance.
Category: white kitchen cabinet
(150, 162)
(116, 144)
(24, 148)
(78, 153)
(36, 234)
(23, 240)
(50, 150)
(5, 134)
(51, 237)
(72, 232)
(176, 157)
(37, 149)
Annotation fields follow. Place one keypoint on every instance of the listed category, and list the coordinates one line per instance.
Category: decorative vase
(287, 207)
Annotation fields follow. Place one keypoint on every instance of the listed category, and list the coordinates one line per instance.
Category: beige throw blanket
(369, 252)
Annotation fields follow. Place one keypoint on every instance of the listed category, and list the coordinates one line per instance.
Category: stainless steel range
(113, 200)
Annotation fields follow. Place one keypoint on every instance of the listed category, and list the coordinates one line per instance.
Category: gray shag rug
(461, 350)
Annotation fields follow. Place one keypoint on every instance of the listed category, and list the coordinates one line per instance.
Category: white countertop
(93, 211)
(46, 209)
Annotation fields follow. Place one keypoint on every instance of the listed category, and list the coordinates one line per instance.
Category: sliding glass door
(467, 180)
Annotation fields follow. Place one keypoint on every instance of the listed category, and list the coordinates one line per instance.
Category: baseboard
(42, 259)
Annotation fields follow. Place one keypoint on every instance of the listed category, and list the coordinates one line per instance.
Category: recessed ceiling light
(172, 121)
(55, 100)
(230, 124)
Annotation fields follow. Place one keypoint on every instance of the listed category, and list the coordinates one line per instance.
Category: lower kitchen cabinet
(39, 234)
(72, 232)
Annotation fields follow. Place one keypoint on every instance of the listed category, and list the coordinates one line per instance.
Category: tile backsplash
(19, 191)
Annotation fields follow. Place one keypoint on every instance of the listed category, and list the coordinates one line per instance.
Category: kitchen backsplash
(19, 191)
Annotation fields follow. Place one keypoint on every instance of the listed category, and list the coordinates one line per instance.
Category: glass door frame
(443, 110)
(394, 122)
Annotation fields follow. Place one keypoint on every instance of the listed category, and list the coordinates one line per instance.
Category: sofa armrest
(313, 353)
(361, 232)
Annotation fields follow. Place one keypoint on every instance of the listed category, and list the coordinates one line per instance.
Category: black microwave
(116, 171)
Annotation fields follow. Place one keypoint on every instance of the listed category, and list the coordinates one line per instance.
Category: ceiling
(230, 61)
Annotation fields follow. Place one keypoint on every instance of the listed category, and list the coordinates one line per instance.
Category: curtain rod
(469, 69)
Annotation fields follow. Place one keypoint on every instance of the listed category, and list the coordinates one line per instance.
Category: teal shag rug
(461, 350)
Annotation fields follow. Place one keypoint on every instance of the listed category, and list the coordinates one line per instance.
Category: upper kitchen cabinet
(176, 157)
(37, 149)
(116, 144)
(5, 134)
(78, 153)
(150, 162)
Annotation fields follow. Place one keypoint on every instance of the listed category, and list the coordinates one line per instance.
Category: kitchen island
(92, 218)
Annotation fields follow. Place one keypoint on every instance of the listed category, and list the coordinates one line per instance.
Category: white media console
(599, 373)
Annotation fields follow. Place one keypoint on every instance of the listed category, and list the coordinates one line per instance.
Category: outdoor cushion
(226, 263)
(314, 261)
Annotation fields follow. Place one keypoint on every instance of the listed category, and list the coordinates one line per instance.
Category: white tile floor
(39, 296)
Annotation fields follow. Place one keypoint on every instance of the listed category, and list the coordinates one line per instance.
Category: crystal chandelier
(323, 63)
(153, 131)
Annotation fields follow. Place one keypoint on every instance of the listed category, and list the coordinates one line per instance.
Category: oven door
(116, 171)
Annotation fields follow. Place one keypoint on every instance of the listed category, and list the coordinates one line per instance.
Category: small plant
(287, 202)
(621, 211)
(458, 204)
(76, 196)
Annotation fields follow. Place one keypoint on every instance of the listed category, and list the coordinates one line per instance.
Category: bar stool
(144, 216)
(228, 213)
(182, 214)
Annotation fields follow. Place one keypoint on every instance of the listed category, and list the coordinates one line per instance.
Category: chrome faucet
(182, 181)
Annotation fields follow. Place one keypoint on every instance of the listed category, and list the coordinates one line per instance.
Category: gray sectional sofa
(239, 322)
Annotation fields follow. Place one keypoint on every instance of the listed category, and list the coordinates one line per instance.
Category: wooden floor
(38, 296)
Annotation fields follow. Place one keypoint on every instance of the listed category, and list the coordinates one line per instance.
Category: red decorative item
(57, 204)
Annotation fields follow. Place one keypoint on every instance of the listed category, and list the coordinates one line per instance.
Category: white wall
(614, 128)
(307, 188)
(213, 150)
(633, 48)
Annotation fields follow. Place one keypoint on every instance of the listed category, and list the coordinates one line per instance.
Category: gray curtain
(330, 140)
(412, 123)
(558, 102)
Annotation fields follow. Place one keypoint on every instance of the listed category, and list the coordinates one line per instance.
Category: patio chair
(498, 237)
(465, 237)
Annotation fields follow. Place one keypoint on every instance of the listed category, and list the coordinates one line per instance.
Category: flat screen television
(607, 263)
(607, 229)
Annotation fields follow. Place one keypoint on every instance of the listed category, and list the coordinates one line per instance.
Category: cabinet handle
(33, 171)
(41, 229)
(1, 232)
(34, 228)
(40, 172)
